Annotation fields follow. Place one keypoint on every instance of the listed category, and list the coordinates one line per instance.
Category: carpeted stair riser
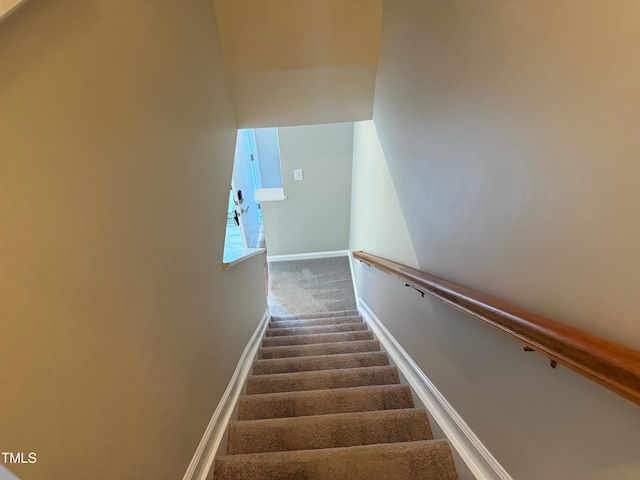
(323, 402)
(317, 338)
(322, 380)
(320, 362)
(422, 460)
(314, 322)
(310, 316)
(319, 349)
(328, 431)
(341, 327)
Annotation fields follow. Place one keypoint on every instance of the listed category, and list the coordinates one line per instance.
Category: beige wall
(261, 35)
(374, 201)
(315, 217)
(300, 63)
(116, 134)
(509, 134)
(304, 97)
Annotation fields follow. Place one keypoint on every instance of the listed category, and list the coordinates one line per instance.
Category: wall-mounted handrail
(610, 364)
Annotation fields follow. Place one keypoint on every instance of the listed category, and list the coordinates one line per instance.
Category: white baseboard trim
(476, 456)
(204, 457)
(353, 275)
(307, 256)
(6, 474)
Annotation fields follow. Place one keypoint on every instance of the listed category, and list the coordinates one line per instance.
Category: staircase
(324, 404)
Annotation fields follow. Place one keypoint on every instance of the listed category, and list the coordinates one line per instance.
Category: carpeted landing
(323, 403)
(310, 286)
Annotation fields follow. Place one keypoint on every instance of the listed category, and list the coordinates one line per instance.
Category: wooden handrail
(610, 364)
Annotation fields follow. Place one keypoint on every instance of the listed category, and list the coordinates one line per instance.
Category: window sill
(235, 257)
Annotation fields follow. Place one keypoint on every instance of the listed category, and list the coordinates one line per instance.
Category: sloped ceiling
(296, 62)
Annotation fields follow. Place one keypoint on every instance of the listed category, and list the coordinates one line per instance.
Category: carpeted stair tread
(323, 402)
(319, 362)
(317, 338)
(333, 348)
(307, 316)
(420, 460)
(340, 327)
(322, 380)
(329, 431)
(314, 321)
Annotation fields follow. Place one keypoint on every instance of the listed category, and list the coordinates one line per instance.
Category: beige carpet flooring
(323, 403)
(310, 286)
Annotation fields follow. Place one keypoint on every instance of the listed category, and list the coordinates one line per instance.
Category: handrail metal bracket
(415, 288)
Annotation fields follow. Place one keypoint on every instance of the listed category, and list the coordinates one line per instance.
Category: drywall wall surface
(269, 157)
(261, 35)
(378, 225)
(508, 131)
(509, 135)
(305, 96)
(120, 331)
(316, 215)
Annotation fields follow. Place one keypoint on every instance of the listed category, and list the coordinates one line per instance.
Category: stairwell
(323, 403)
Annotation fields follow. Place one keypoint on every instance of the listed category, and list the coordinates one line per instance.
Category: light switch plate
(297, 174)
